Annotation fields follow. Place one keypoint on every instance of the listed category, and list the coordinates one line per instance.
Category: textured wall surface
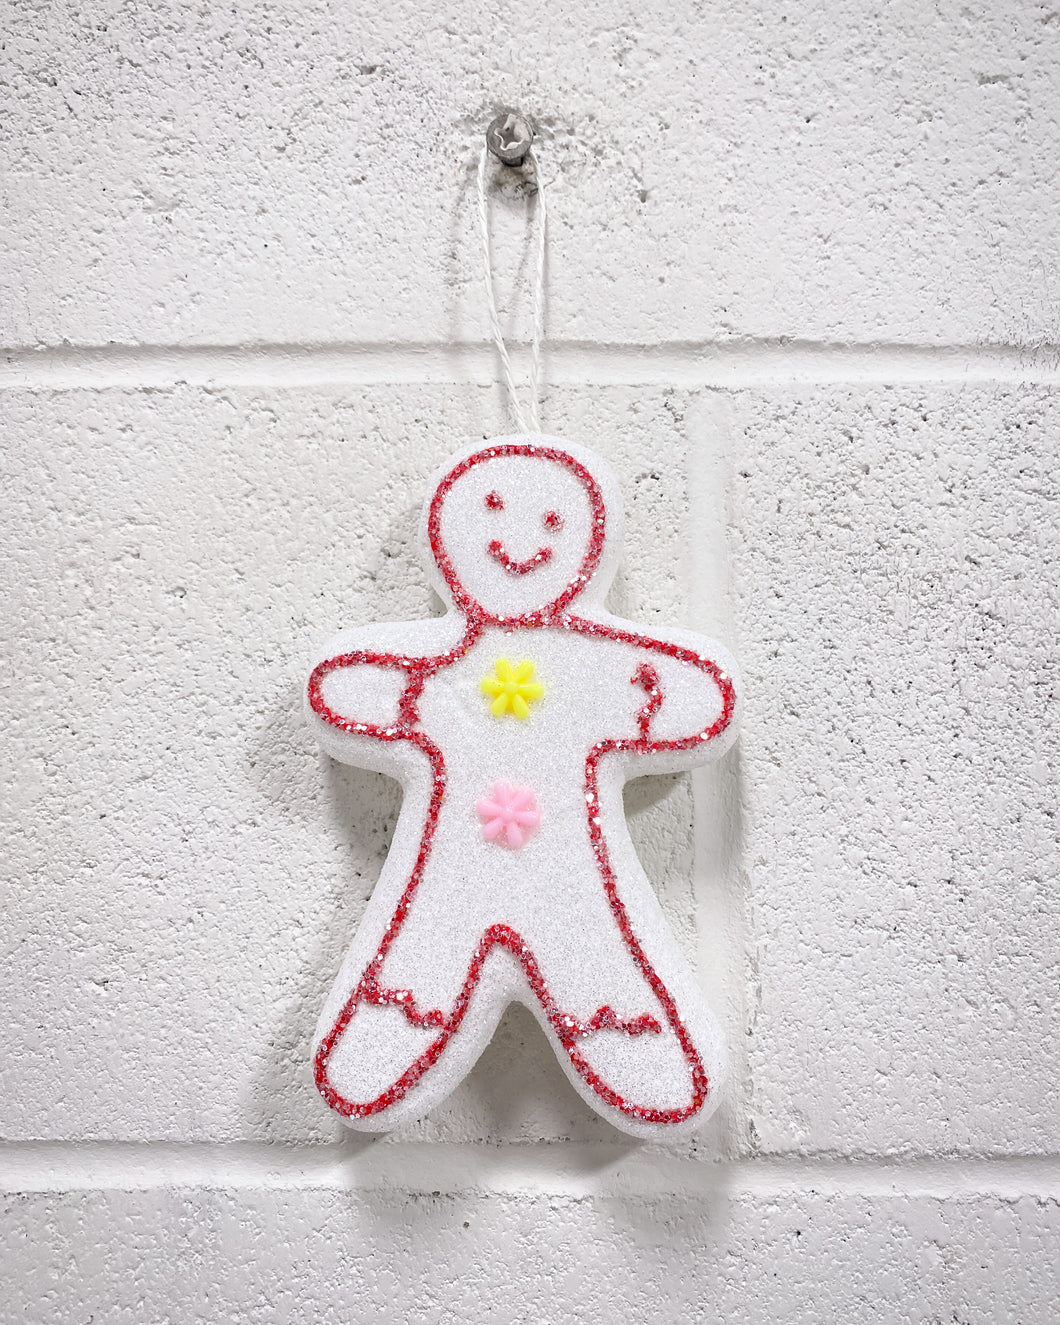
(803, 295)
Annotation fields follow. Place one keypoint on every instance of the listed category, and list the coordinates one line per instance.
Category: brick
(266, 175)
(894, 559)
(279, 1256)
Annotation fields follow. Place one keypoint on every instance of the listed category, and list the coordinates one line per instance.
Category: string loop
(530, 422)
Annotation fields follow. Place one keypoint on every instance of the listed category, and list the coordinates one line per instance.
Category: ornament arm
(700, 691)
(365, 685)
(687, 690)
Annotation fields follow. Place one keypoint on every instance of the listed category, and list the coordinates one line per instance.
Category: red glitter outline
(566, 1027)
(499, 553)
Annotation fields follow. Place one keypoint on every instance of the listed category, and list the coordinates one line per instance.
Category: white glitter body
(550, 891)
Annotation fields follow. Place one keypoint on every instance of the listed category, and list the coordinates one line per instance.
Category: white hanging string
(531, 421)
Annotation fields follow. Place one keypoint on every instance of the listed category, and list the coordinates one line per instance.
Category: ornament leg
(400, 1044)
(637, 1037)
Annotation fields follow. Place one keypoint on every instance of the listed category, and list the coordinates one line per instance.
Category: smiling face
(517, 530)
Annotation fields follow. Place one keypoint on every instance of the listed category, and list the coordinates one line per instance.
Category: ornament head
(522, 526)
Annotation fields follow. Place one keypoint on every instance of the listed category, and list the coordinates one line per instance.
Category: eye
(494, 501)
(552, 520)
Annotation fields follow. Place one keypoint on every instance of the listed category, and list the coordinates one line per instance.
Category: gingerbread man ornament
(513, 721)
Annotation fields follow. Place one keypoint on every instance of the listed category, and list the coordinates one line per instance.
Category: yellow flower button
(511, 688)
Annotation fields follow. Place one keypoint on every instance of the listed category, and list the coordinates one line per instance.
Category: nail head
(509, 137)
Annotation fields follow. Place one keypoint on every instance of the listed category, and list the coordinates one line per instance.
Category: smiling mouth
(497, 551)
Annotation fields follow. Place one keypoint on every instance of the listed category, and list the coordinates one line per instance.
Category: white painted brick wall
(802, 293)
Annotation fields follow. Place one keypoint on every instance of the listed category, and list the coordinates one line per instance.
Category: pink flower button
(509, 815)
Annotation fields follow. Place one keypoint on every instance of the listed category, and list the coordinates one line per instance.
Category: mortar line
(543, 1168)
(721, 364)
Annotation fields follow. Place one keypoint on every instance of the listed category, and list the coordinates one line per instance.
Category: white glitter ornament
(513, 722)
